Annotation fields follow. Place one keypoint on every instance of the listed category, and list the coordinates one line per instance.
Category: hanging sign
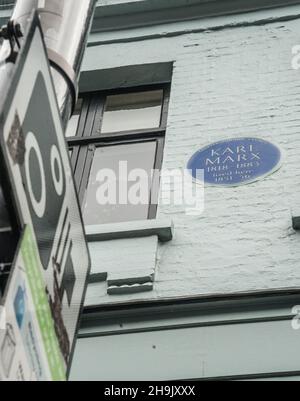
(29, 348)
(54, 253)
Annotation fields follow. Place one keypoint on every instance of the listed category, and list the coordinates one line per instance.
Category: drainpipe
(66, 26)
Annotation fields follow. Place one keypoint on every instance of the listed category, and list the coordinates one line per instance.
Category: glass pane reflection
(132, 111)
(119, 161)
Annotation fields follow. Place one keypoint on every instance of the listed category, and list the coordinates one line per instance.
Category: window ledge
(164, 229)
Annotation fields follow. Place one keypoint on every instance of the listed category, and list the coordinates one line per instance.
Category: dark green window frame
(89, 137)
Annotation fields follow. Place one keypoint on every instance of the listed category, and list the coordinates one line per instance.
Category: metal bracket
(12, 32)
(60, 64)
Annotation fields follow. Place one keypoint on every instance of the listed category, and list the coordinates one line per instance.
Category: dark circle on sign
(57, 171)
(35, 175)
(235, 162)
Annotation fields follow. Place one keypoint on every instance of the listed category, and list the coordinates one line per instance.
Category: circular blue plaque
(235, 162)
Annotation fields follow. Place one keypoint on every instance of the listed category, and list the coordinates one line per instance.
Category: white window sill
(164, 229)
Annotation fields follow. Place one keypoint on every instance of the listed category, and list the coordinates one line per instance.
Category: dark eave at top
(133, 14)
(138, 13)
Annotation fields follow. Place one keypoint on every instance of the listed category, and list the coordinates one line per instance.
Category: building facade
(173, 294)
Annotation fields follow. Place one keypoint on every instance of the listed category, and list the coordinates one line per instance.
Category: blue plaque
(235, 162)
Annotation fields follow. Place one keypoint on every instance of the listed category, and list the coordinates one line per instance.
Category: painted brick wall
(227, 83)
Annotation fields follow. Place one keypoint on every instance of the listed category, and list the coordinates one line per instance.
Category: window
(117, 153)
(74, 121)
(137, 155)
(8, 241)
(132, 111)
(4, 217)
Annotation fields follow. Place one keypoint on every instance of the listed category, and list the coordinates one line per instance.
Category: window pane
(4, 219)
(73, 123)
(132, 111)
(110, 188)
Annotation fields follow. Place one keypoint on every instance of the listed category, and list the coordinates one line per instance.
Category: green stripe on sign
(42, 308)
